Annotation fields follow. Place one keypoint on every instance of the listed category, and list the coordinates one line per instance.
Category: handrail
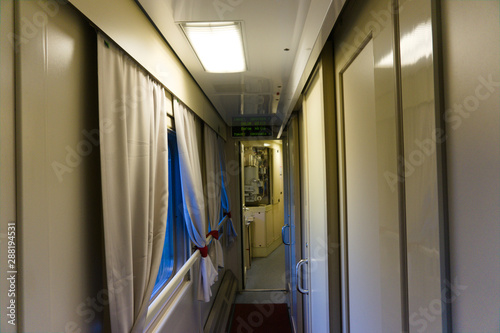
(156, 306)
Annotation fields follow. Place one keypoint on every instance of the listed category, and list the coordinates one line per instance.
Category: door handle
(300, 281)
(283, 228)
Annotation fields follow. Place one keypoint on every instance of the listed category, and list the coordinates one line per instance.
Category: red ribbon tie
(203, 251)
(214, 233)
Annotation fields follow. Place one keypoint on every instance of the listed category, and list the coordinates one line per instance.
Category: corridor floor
(268, 272)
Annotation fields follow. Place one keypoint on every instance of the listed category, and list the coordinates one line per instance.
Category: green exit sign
(252, 126)
(251, 131)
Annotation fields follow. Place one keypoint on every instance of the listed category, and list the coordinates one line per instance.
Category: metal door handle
(300, 281)
(283, 234)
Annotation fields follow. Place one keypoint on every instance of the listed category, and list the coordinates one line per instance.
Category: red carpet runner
(260, 318)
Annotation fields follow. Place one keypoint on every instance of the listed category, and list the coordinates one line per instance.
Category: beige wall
(314, 211)
(7, 150)
(58, 172)
(58, 201)
(472, 58)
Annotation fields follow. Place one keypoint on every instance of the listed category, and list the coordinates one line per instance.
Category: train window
(176, 246)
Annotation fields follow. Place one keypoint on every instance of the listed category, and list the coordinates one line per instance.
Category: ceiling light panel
(218, 45)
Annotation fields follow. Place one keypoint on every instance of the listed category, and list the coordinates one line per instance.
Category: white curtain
(214, 185)
(134, 167)
(225, 196)
(192, 191)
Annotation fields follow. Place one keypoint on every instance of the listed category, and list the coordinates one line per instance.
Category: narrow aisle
(260, 310)
(268, 272)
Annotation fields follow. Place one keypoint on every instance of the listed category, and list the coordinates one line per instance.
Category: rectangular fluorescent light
(218, 45)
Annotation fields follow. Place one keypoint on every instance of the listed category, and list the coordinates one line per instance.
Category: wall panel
(424, 205)
(7, 157)
(314, 227)
(59, 201)
(471, 51)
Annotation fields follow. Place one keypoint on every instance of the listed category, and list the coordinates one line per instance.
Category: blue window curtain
(193, 196)
(225, 196)
(214, 186)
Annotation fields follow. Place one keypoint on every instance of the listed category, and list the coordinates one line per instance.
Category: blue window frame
(176, 246)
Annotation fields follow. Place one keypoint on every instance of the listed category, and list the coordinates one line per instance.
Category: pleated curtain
(134, 167)
(192, 192)
(214, 186)
(225, 195)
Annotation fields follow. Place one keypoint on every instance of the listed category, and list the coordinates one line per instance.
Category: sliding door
(292, 231)
(312, 270)
(370, 209)
(392, 225)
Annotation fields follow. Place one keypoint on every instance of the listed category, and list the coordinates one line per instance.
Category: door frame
(292, 204)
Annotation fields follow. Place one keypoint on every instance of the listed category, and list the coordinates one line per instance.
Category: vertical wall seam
(442, 182)
(343, 186)
(405, 327)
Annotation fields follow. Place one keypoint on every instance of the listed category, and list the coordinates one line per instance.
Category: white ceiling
(275, 76)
